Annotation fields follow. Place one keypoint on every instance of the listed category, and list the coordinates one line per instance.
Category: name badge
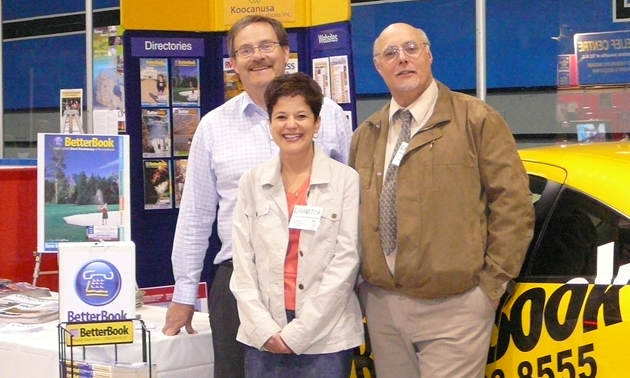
(306, 217)
(399, 154)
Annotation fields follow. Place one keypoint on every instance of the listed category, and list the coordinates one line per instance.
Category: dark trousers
(229, 360)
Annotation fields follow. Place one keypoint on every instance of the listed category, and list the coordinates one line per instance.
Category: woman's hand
(275, 344)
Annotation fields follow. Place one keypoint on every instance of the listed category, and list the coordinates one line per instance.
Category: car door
(568, 314)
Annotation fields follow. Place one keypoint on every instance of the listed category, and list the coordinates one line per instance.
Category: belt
(226, 263)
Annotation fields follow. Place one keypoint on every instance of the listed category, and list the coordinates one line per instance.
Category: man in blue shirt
(230, 140)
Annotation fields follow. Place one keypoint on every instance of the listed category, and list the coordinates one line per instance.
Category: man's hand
(177, 316)
(276, 345)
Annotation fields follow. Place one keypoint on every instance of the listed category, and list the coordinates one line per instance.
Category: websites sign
(603, 58)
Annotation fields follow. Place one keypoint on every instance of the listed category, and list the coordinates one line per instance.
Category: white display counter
(36, 354)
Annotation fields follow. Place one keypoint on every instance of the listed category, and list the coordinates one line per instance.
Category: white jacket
(328, 316)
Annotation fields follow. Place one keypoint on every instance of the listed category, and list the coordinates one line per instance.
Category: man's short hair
(241, 24)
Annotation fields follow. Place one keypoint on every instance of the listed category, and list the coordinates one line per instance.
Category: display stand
(67, 367)
(38, 264)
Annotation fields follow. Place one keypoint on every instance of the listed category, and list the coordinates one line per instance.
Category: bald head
(402, 57)
(398, 28)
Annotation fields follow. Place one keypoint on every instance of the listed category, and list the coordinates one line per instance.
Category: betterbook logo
(98, 283)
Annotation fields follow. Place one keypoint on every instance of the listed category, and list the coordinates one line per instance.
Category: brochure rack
(68, 356)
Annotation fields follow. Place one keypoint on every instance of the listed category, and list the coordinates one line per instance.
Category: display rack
(67, 349)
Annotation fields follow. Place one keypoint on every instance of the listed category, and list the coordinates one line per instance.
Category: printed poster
(156, 133)
(154, 87)
(157, 184)
(71, 110)
(180, 179)
(83, 189)
(108, 80)
(185, 79)
(185, 122)
(321, 74)
(340, 82)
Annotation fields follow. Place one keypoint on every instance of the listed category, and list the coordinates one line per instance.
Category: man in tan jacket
(446, 217)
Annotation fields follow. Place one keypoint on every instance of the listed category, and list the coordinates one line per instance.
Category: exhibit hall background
(44, 51)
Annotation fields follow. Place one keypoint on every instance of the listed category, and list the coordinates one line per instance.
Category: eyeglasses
(411, 49)
(247, 51)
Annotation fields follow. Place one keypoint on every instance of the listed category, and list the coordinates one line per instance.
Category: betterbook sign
(96, 282)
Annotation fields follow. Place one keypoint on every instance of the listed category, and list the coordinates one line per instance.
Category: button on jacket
(465, 215)
(328, 316)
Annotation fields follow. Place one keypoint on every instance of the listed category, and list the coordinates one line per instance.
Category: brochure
(185, 79)
(157, 184)
(185, 122)
(156, 133)
(154, 87)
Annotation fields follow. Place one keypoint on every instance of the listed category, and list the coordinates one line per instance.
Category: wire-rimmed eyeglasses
(411, 49)
(247, 51)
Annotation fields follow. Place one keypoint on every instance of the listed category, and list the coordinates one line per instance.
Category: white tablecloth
(36, 355)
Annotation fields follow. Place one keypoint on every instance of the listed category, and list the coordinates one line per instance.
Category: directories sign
(603, 58)
(97, 282)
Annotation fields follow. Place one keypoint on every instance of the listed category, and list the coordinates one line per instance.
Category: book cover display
(156, 132)
(83, 189)
(185, 122)
(157, 184)
(185, 80)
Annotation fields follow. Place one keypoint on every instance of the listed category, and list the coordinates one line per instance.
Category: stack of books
(93, 369)
(8, 287)
(24, 309)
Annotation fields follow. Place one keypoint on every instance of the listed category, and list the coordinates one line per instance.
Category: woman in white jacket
(295, 245)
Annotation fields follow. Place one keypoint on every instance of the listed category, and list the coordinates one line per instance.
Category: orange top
(291, 260)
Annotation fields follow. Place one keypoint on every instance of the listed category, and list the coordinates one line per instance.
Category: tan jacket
(465, 214)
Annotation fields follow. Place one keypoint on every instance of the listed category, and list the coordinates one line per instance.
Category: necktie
(387, 202)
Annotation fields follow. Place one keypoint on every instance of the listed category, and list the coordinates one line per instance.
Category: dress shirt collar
(248, 106)
(419, 107)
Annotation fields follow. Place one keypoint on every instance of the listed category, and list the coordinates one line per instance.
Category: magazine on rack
(24, 309)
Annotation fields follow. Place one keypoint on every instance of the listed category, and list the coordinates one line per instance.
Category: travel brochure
(157, 184)
(170, 100)
(156, 133)
(185, 122)
(185, 81)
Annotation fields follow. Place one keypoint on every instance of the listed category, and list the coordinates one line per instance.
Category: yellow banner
(80, 334)
(281, 10)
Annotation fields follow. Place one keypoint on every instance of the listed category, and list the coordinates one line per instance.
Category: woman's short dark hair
(291, 85)
(278, 28)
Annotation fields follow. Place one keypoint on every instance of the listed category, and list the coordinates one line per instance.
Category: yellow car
(568, 315)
